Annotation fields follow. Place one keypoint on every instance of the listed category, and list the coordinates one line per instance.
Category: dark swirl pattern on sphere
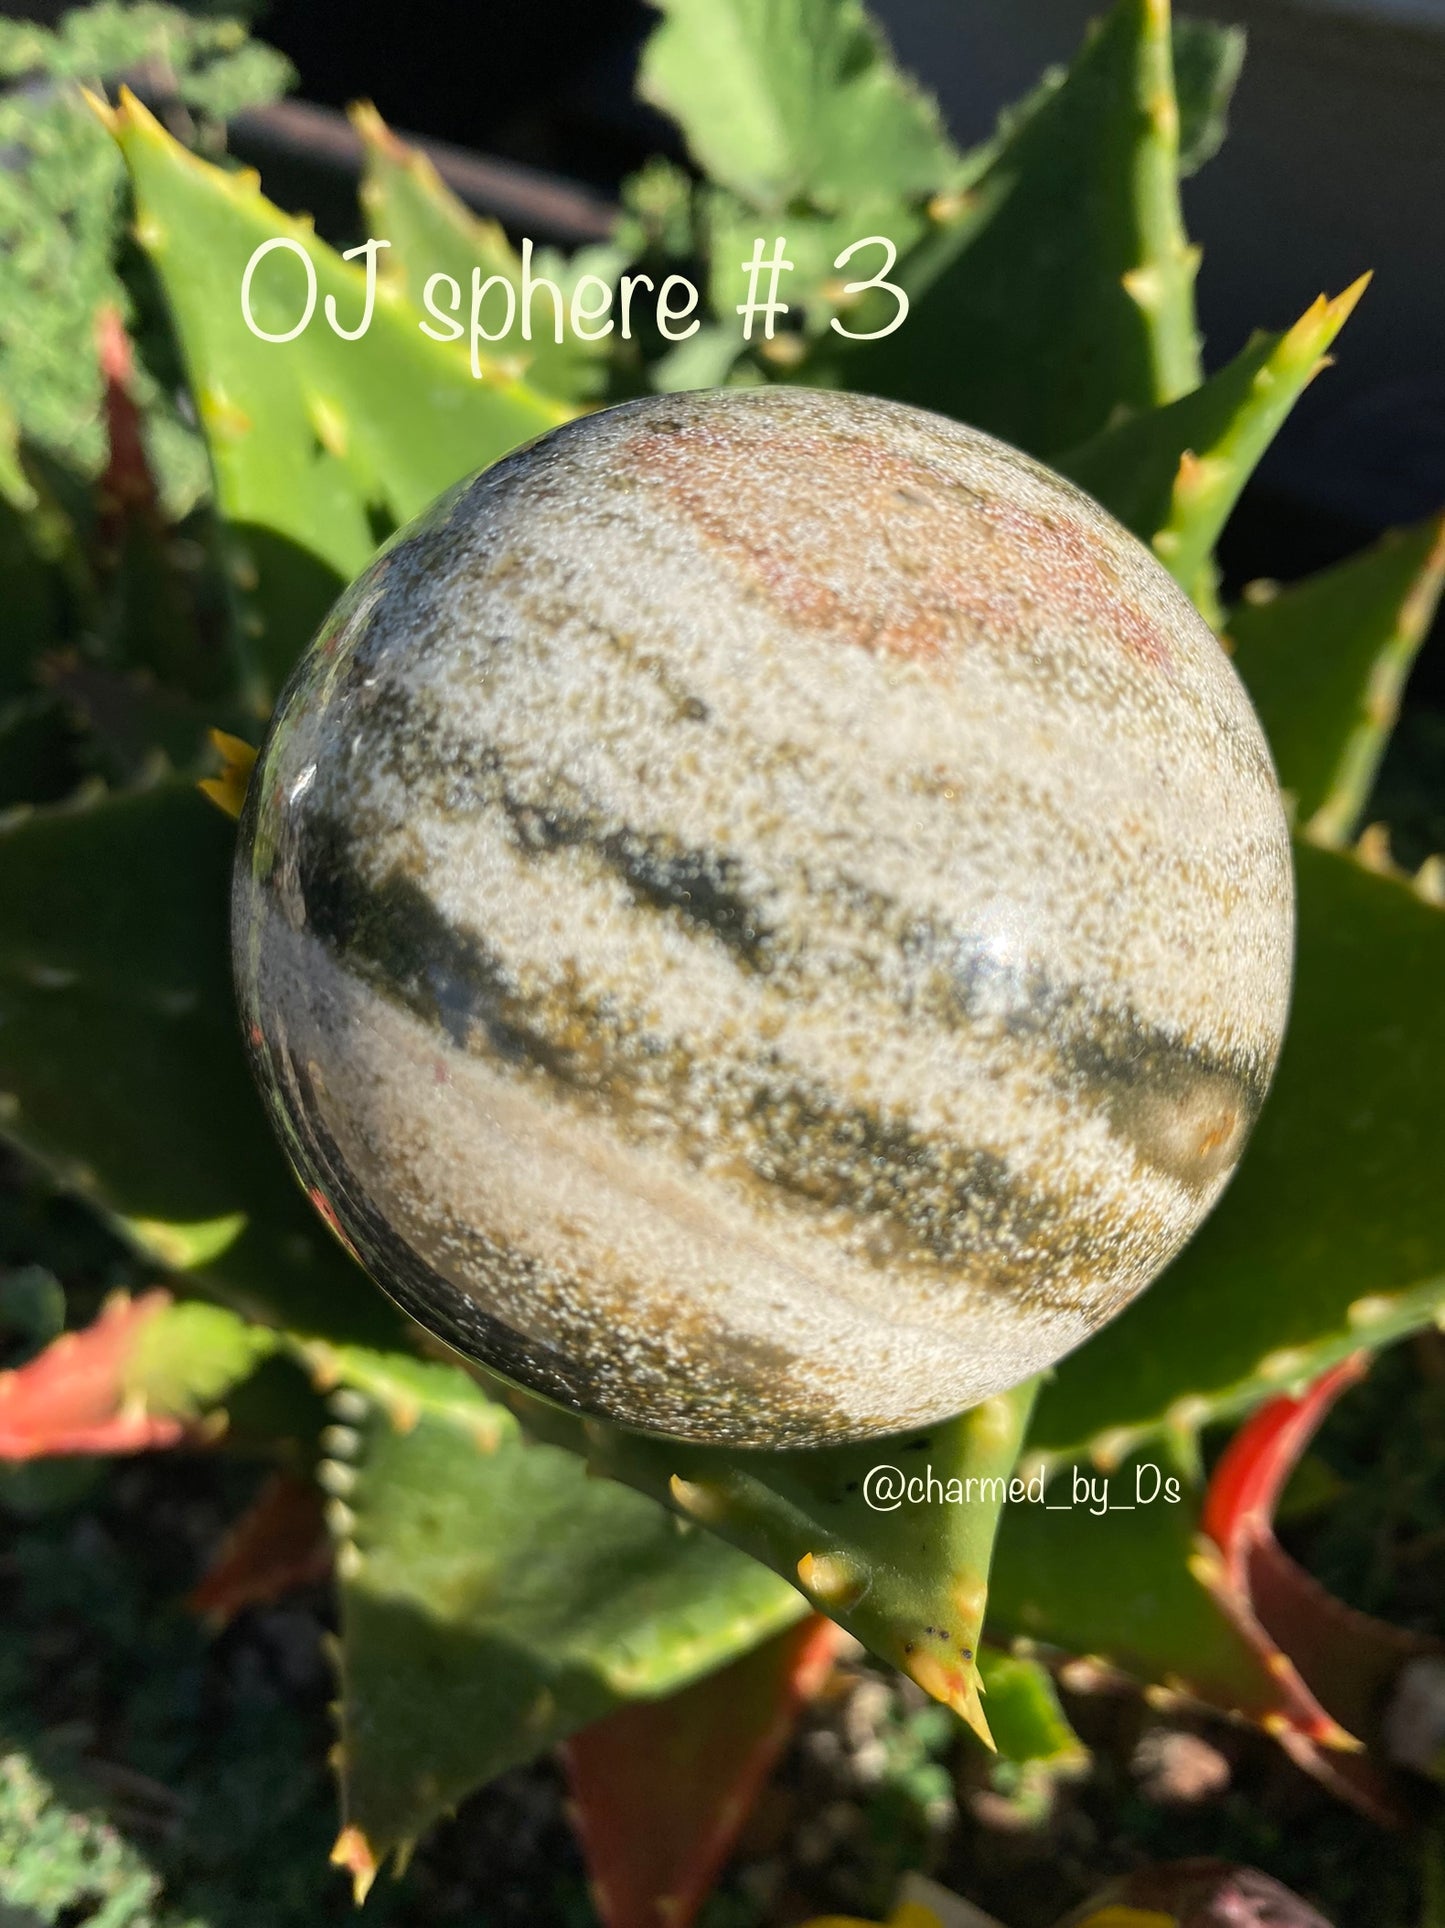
(765, 916)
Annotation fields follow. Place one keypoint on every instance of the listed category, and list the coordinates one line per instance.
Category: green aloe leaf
(1030, 1727)
(1326, 662)
(143, 1373)
(1061, 290)
(190, 1355)
(1188, 1588)
(1173, 474)
(904, 1570)
(432, 232)
(1207, 60)
(1330, 1237)
(494, 1599)
(1126, 1582)
(662, 1789)
(319, 445)
(120, 1060)
(783, 101)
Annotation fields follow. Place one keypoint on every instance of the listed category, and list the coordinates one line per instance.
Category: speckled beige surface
(767, 916)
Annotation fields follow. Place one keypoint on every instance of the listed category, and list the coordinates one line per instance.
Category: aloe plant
(1050, 283)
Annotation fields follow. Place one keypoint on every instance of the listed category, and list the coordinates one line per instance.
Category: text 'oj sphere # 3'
(766, 916)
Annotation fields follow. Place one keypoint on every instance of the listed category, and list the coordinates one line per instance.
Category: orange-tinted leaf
(279, 1543)
(1251, 1475)
(148, 1372)
(1334, 1664)
(127, 487)
(153, 632)
(662, 1787)
(74, 1397)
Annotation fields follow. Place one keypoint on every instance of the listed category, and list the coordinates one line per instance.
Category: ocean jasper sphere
(765, 916)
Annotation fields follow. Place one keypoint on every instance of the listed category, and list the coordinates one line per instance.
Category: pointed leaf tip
(1173, 474)
(353, 1852)
(368, 122)
(101, 108)
(131, 115)
(1345, 303)
(957, 1684)
(228, 790)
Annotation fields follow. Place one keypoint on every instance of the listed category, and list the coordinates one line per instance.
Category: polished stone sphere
(765, 916)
